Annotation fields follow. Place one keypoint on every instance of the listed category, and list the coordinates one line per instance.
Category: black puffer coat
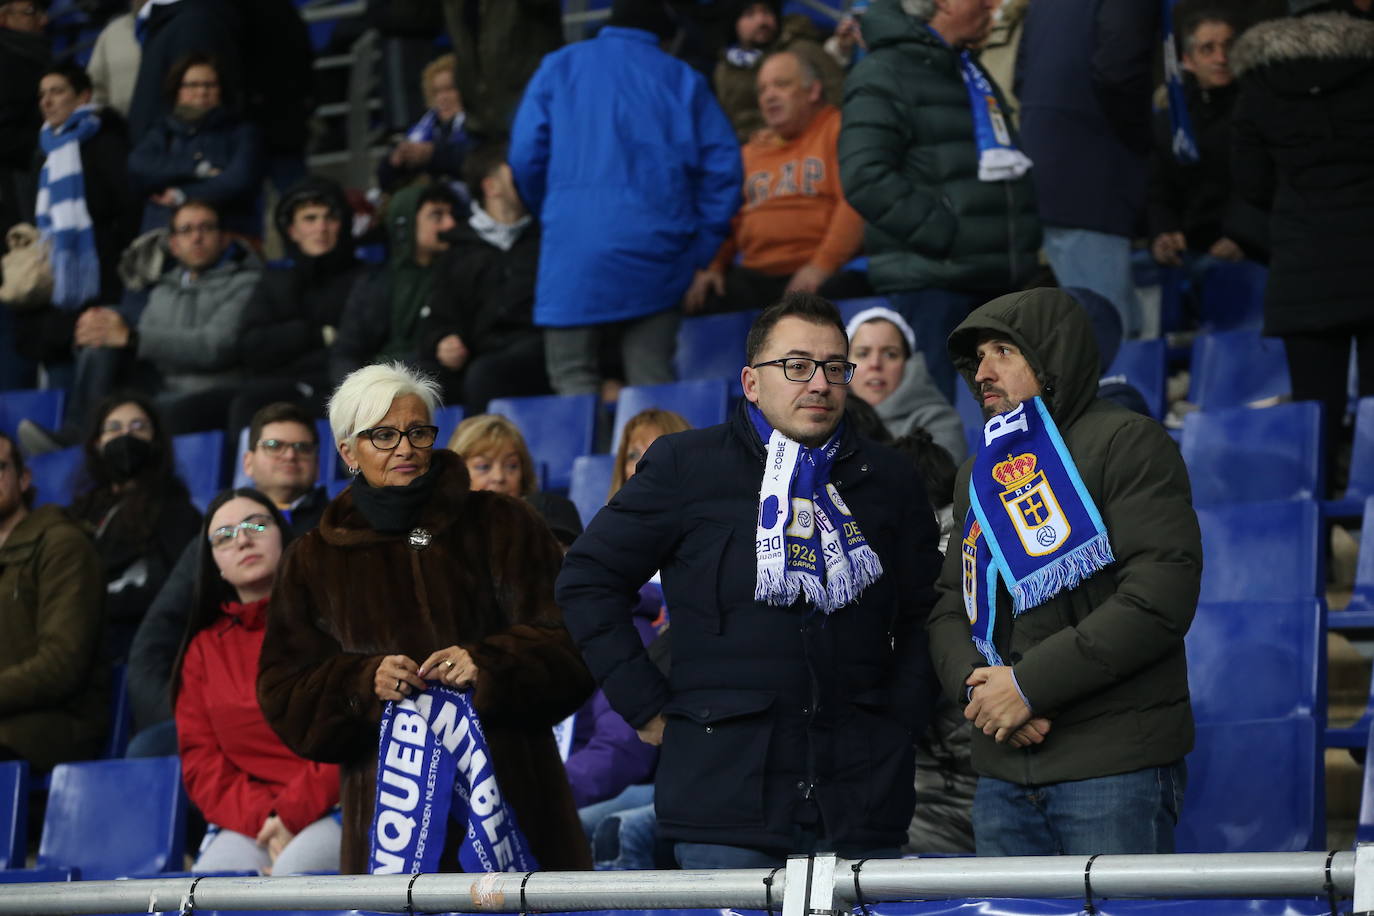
(909, 165)
(766, 706)
(1304, 149)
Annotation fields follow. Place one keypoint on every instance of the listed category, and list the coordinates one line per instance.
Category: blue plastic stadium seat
(591, 482)
(41, 405)
(1359, 613)
(702, 402)
(1261, 551)
(1361, 483)
(851, 307)
(712, 346)
(200, 458)
(14, 813)
(114, 818)
(55, 475)
(1364, 830)
(1251, 787)
(1234, 368)
(1248, 455)
(1140, 363)
(1233, 296)
(447, 419)
(971, 414)
(335, 487)
(1284, 639)
(557, 429)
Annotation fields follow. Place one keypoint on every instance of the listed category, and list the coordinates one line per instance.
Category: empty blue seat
(1260, 551)
(1246, 455)
(1252, 788)
(1233, 296)
(55, 475)
(712, 346)
(557, 429)
(14, 813)
(1140, 364)
(702, 402)
(1286, 640)
(200, 458)
(1234, 368)
(591, 482)
(1361, 483)
(447, 419)
(1359, 613)
(113, 818)
(41, 405)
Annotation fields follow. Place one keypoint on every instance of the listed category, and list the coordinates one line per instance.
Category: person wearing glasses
(798, 560)
(269, 810)
(132, 498)
(201, 150)
(414, 577)
(282, 463)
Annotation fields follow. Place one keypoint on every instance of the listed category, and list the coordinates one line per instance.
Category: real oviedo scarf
(61, 211)
(433, 768)
(1031, 522)
(808, 544)
(999, 159)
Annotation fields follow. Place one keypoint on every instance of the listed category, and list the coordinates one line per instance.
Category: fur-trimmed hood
(1333, 37)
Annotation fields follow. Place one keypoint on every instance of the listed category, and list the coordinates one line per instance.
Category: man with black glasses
(282, 461)
(799, 560)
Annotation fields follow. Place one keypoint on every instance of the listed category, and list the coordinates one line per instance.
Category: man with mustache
(797, 558)
(1074, 676)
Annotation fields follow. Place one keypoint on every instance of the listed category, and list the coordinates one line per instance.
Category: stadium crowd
(549, 216)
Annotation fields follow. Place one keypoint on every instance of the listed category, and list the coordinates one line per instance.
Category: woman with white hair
(890, 375)
(411, 577)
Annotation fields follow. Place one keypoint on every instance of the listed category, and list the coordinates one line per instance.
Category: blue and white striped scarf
(999, 159)
(1182, 141)
(62, 215)
(425, 128)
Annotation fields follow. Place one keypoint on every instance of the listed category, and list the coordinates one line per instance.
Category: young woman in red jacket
(269, 809)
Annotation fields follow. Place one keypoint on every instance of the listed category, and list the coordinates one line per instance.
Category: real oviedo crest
(1031, 505)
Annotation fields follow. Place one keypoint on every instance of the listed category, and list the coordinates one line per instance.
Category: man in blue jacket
(634, 171)
(797, 560)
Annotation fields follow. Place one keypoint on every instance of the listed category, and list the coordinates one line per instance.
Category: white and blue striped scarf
(424, 129)
(999, 159)
(62, 215)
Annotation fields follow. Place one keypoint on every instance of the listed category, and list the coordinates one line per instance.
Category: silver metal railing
(809, 885)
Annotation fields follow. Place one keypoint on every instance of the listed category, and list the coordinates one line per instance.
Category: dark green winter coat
(909, 165)
(1105, 661)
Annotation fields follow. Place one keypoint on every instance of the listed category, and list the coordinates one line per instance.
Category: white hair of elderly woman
(366, 396)
(919, 9)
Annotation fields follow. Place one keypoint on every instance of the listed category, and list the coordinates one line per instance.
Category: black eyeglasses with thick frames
(387, 438)
(802, 368)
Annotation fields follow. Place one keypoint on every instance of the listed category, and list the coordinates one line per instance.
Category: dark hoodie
(285, 320)
(381, 319)
(1104, 662)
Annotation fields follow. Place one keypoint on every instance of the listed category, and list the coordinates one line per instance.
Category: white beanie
(886, 314)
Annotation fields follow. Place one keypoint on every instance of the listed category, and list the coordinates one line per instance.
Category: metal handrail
(829, 882)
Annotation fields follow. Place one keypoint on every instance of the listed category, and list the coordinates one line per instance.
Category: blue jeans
(933, 314)
(1129, 813)
(627, 839)
(1098, 261)
(636, 796)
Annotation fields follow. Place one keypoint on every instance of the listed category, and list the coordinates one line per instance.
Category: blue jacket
(634, 171)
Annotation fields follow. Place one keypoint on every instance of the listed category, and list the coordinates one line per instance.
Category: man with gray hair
(929, 160)
(795, 230)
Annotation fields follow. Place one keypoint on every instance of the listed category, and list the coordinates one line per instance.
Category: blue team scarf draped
(61, 212)
(433, 767)
(807, 542)
(428, 125)
(1031, 522)
(998, 157)
(1181, 138)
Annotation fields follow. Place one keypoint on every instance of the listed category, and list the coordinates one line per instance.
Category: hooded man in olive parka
(1092, 705)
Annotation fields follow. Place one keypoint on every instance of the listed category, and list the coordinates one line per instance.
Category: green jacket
(53, 690)
(909, 165)
(1105, 661)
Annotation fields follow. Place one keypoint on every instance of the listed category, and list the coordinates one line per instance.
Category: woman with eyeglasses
(414, 577)
(131, 497)
(202, 150)
(269, 810)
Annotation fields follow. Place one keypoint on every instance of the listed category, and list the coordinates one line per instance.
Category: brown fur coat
(348, 595)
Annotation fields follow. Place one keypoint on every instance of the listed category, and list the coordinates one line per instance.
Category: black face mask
(126, 456)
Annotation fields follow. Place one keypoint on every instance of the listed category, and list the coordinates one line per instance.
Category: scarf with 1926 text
(433, 767)
(1031, 521)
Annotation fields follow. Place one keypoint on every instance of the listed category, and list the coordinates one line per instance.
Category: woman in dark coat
(412, 576)
(201, 151)
(1304, 150)
(138, 507)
